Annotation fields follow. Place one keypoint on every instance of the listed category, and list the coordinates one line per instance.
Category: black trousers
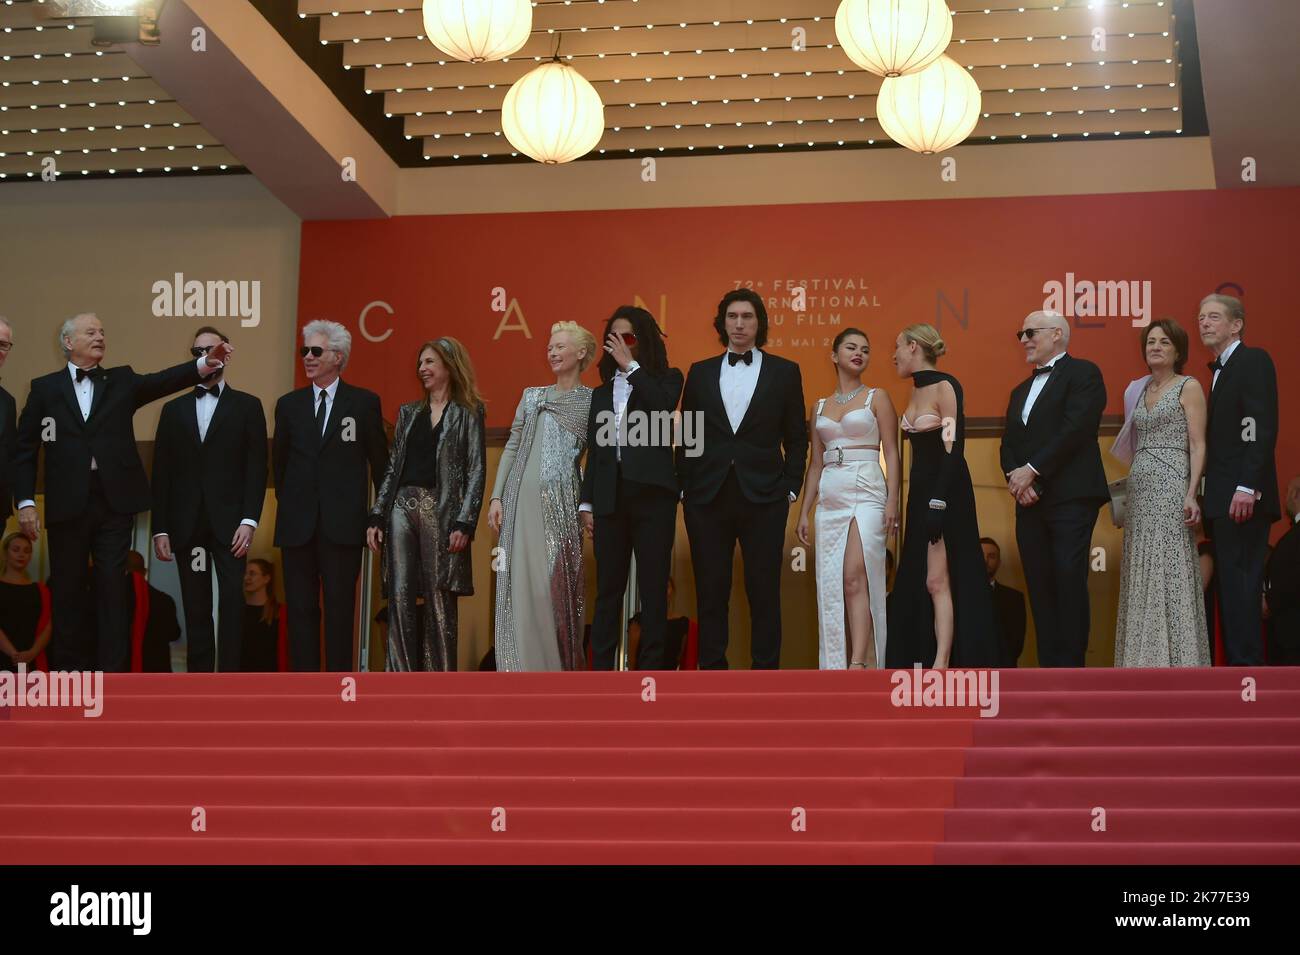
(1054, 541)
(104, 535)
(643, 523)
(317, 566)
(714, 527)
(1240, 555)
(195, 571)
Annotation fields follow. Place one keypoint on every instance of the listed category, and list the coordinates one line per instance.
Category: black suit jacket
(646, 463)
(108, 436)
(1009, 605)
(226, 473)
(8, 445)
(774, 422)
(326, 478)
(1247, 389)
(1060, 438)
(1282, 588)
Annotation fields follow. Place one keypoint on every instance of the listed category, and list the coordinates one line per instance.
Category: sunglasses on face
(198, 351)
(629, 339)
(1029, 332)
(315, 351)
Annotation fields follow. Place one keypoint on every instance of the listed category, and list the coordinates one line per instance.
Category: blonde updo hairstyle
(927, 338)
(581, 338)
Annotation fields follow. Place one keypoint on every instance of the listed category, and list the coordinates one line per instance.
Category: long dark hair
(650, 355)
(742, 295)
(272, 608)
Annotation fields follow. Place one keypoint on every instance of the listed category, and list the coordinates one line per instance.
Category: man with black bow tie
(741, 486)
(1241, 499)
(209, 482)
(1053, 468)
(95, 483)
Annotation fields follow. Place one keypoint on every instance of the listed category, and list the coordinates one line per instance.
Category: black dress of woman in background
(938, 474)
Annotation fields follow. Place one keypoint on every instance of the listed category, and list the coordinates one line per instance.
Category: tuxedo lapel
(713, 389)
(224, 411)
(765, 375)
(337, 413)
(1057, 371)
(190, 418)
(64, 384)
(99, 392)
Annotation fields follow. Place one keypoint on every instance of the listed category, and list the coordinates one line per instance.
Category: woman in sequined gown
(427, 507)
(540, 583)
(1161, 611)
(941, 608)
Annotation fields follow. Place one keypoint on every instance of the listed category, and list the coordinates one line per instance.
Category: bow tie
(94, 374)
(1215, 365)
(1045, 370)
(747, 357)
(201, 392)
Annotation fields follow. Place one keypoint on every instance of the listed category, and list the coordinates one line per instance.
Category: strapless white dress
(848, 491)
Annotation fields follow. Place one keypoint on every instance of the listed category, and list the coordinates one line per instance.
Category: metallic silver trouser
(420, 637)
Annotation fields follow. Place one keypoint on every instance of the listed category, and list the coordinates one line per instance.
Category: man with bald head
(1053, 468)
(82, 415)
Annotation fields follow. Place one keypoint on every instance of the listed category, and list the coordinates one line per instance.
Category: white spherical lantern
(553, 114)
(932, 110)
(478, 30)
(893, 37)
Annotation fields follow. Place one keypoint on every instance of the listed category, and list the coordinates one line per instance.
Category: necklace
(845, 399)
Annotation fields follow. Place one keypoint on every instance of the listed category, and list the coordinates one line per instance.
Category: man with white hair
(1241, 499)
(326, 436)
(8, 428)
(1053, 468)
(82, 415)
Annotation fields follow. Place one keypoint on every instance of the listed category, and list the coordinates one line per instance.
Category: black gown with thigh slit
(939, 473)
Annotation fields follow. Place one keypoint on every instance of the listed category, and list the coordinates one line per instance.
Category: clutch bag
(1118, 497)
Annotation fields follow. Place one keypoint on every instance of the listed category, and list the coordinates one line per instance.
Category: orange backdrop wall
(972, 267)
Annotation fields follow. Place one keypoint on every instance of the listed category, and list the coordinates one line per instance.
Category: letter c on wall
(365, 333)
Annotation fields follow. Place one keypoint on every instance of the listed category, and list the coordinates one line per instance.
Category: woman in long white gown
(857, 508)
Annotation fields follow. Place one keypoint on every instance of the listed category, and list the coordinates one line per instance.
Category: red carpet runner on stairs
(739, 767)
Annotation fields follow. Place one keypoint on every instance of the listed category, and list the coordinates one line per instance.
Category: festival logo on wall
(807, 313)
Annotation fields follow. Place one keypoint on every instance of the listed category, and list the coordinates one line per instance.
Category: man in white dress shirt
(209, 482)
(82, 416)
(1240, 499)
(749, 471)
(1053, 469)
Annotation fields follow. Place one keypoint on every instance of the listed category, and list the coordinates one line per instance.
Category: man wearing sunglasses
(209, 482)
(1053, 468)
(82, 416)
(326, 437)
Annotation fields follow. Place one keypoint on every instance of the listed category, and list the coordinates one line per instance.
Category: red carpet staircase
(741, 767)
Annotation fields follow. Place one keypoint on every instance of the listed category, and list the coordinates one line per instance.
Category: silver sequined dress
(540, 586)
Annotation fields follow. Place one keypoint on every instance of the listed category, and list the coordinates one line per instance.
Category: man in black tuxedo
(94, 483)
(209, 481)
(8, 429)
(1241, 499)
(1282, 587)
(741, 485)
(629, 487)
(1053, 468)
(326, 436)
(1008, 606)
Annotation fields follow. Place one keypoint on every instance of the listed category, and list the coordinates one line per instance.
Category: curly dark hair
(650, 354)
(742, 295)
